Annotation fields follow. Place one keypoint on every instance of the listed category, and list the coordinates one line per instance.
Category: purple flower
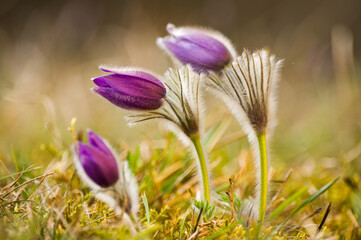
(131, 89)
(204, 50)
(98, 161)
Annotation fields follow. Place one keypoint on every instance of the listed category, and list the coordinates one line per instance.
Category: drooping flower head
(98, 161)
(205, 50)
(248, 88)
(130, 88)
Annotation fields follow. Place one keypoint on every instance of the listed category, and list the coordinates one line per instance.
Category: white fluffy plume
(248, 88)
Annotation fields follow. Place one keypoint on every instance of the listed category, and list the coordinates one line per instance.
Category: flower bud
(205, 50)
(131, 89)
(98, 161)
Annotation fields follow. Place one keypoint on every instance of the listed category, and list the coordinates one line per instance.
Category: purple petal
(96, 142)
(134, 86)
(202, 39)
(101, 82)
(141, 75)
(196, 55)
(100, 167)
(210, 44)
(197, 47)
(92, 170)
(125, 101)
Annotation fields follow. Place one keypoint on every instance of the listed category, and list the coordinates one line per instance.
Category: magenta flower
(98, 161)
(131, 89)
(205, 50)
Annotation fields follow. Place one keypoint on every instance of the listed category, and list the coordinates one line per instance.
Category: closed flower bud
(109, 178)
(98, 161)
(131, 89)
(205, 50)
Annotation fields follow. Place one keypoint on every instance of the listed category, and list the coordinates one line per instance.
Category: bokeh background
(49, 51)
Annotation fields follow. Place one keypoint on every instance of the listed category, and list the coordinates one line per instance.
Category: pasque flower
(98, 161)
(248, 87)
(110, 179)
(205, 50)
(130, 88)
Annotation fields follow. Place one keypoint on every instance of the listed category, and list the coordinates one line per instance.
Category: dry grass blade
(282, 185)
(231, 200)
(12, 183)
(194, 235)
(27, 182)
(303, 204)
(323, 219)
(314, 213)
(198, 219)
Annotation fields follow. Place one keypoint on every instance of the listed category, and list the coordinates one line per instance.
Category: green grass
(41, 196)
(56, 204)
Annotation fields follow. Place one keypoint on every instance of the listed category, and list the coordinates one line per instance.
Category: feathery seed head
(249, 85)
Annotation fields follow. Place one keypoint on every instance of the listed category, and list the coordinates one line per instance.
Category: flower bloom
(98, 161)
(205, 50)
(131, 89)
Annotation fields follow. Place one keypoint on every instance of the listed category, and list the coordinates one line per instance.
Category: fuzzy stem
(264, 179)
(203, 164)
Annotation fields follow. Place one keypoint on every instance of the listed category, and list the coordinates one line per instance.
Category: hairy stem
(203, 165)
(264, 179)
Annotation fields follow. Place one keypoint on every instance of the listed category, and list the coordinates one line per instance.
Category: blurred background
(49, 51)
